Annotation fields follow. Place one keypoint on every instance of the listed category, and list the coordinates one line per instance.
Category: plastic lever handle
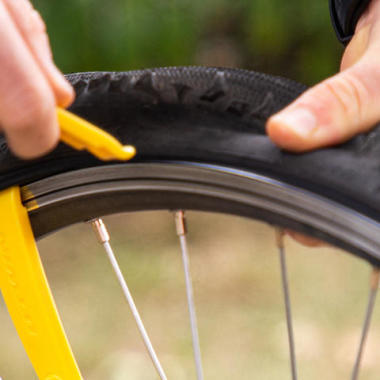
(80, 134)
(27, 295)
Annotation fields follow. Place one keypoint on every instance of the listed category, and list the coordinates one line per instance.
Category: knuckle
(368, 75)
(358, 95)
(347, 92)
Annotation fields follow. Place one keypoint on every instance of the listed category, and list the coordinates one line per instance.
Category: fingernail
(300, 120)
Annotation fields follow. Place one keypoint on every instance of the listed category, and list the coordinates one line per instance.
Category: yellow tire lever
(80, 134)
(22, 278)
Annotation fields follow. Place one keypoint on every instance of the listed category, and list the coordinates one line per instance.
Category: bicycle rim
(85, 194)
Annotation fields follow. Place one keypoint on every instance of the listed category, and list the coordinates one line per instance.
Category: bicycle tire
(210, 116)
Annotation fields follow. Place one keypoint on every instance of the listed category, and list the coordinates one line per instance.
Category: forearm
(345, 14)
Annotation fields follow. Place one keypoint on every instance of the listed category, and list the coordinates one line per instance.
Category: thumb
(331, 112)
(340, 107)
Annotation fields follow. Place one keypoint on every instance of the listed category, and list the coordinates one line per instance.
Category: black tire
(212, 116)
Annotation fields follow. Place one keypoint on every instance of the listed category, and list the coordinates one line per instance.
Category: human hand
(30, 84)
(340, 107)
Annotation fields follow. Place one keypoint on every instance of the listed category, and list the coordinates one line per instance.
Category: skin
(340, 107)
(30, 84)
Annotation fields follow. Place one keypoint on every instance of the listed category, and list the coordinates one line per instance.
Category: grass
(236, 277)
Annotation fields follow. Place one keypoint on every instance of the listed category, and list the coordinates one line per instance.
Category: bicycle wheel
(201, 143)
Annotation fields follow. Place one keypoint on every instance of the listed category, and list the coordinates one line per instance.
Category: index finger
(33, 30)
(27, 102)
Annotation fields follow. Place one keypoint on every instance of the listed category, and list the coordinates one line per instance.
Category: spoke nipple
(180, 222)
(375, 278)
(100, 230)
(279, 237)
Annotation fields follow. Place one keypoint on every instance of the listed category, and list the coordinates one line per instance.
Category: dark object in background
(345, 15)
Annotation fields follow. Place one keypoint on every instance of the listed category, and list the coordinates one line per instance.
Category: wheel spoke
(288, 309)
(181, 232)
(104, 238)
(375, 277)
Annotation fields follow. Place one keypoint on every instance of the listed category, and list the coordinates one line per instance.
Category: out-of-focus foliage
(291, 38)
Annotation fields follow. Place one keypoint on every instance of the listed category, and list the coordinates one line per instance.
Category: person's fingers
(308, 241)
(331, 112)
(33, 30)
(339, 107)
(27, 107)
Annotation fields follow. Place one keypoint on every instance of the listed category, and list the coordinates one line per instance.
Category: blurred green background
(292, 38)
